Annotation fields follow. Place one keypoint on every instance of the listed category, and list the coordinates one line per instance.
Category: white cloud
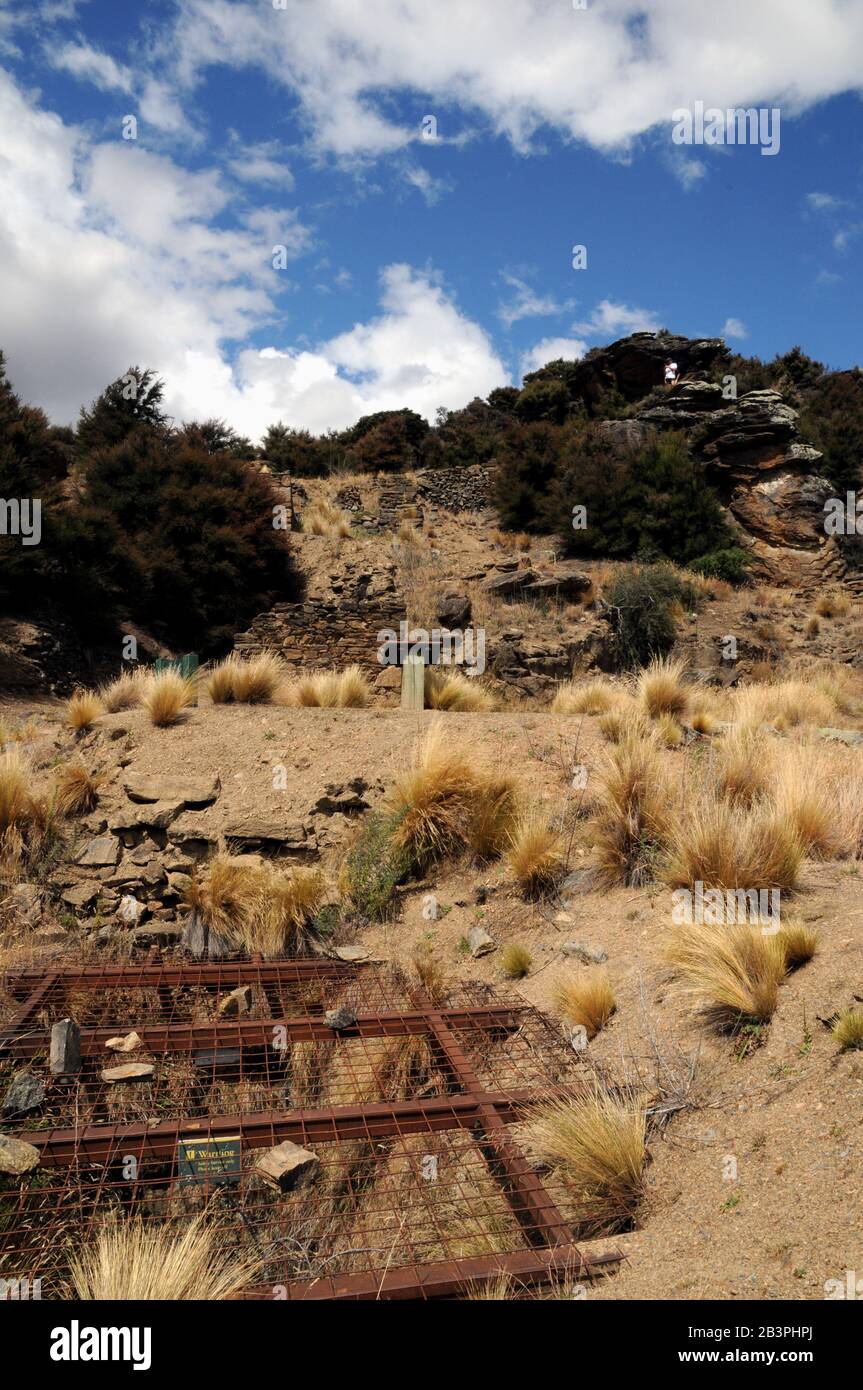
(425, 183)
(688, 171)
(109, 256)
(824, 202)
(526, 303)
(612, 320)
(734, 328)
(92, 65)
(604, 75)
(549, 350)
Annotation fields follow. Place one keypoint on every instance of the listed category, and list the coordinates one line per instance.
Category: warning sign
(209, 1160)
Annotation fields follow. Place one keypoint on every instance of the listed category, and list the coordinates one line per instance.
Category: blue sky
(419, 272)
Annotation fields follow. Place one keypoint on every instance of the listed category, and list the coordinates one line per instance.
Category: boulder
(337, 1019)
(191, 791)
(101, 853)
(453, 609)
(480, 943)
(288, 1166)
(24, 1096)
(506, 585)
(579, 951)
(65, 1053)
(24, 903)
(16, 1157)
(80, 895)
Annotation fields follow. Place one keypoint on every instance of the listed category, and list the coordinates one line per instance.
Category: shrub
(450, 690)
(640, 603)
(596, 1143)
(661, 689)
(536, 854)
(586, 1000)
(848, 1029)
(77, 790)
(374, 867)
(631, 816)
(730, 973)
(730, 564)
(129, 1261)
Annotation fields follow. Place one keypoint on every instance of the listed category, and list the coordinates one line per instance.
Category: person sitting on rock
(672, 375)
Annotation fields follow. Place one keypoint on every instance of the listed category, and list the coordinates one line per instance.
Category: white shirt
(671, 371)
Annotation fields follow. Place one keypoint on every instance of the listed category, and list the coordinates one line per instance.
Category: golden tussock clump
(832, 605)
(668, 731)
(346, 689)
(808, 803)
(515, 961)
(129, 1261)
(123, 693)
(585, 1000)
(17, 805)
(661, 689)
(82, 711)
(741, 767)
(848, 1029)
(450, 690)
(784, 704)
(322, 518)
(730, 974)
(596, 696)
(596, 1144)
(256, 907)
(632, 812)
(166, 696)
(714, 843)
(77, 790)
(536, 854)
(623, 721)
(799, 942)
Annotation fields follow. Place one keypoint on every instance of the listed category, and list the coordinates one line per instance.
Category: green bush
(640, 613)
(374, 868)
(731, 564)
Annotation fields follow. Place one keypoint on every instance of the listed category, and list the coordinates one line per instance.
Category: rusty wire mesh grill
(421, 1186)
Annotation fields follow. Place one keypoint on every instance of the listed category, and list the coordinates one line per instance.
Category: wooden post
(413, 683)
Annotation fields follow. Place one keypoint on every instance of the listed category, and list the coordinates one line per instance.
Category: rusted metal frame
(19, 983)
(186, 1037)
(379, 1120)
(24, 1018)
(446, 1278)
(532, 1205)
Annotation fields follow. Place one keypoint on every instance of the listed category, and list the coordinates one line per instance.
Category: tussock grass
(166, 697)
(632, 810)
(585, 1000)
(596, 696)
(220, 681)
(623, 721)
(702, 719)
(16, 800)
(82, 711)
(741, 767)
(257, 680)
(453, 691)
(723, 847)
(661, 689)
(346, 689)
(799, 941)
(668, 731)
(784, 704)
(256, 907)
(596, 1143)
(832, 605)
(431, 975)
(848, 1029)
(808, 803)
(77, 790)
(123, 693)
(322, 518)
(515, 961)
(129, 1261)
(495, 812)
(536, 855)
(730, 974)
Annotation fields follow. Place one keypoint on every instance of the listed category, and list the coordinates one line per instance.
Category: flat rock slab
(101, 853)
(152, 815)
(25, 1095)
(288, 1166)
(81, 895)
(479, 942)
(850, 736)
(16, 1157)
(129, 1071)
(65, 1054)
(578, 951)
(125, 1042)
(191, 791)
(239, 1001)
(258, 829)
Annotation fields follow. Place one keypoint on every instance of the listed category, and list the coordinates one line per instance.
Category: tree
(528, 462)
(128, 403)
(216, 437)
(295, 451)
(391, 445)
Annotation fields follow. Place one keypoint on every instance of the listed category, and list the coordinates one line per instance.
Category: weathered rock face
(634, 365)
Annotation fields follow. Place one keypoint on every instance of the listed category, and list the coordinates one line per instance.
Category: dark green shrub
(640, 613)
(731, 564)
(374, 868)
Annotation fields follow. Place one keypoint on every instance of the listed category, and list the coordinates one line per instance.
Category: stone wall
(334, 632)
(457, 489)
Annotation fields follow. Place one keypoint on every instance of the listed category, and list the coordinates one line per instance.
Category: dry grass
(631, 815)
(799, 942)
(813, 627)
(451, 690)
(702, 719)
(623, 721)
(16, 801)
(346, 689)
(730, 974)
(77, 790)
(661, 689)
(220, 681)
(536, 854)
(515, 961)
(322, 518)
(848, 1029)
(123, 693)
(668, 731)
(166, 696)
(832, 605)
(596, 696)
(741, 767)
(256, 681)
(717, 844)
(585, 1000)
(596, 1143)
(431, 975)
(784, 704)
(256, 907)
(495, 813)
(807, 802)
(82, 711)
(130, 1261)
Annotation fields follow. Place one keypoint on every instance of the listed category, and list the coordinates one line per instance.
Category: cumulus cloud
(111, 254)
(612, 320)
(92, 65)
(525, 303)
(734, 328)
(605, 74)
(549, 350)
